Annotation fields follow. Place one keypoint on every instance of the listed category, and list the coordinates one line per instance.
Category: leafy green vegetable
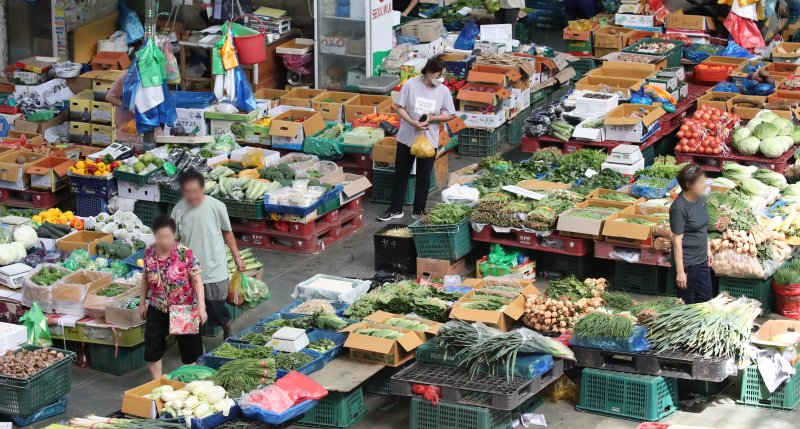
(446, 214)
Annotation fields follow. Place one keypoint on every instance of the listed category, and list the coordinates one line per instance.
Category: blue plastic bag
(129, 22)
(698, 52)
(752, 87)
(245, 101)
(652, 193)
(734, 50)
(640, 97)
(636, 343)
(726, 87)
(164, 113)
(193, 100)
(466, 39)
(5, 127)
(129, 87)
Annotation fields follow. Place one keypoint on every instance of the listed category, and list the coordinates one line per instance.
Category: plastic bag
(744, 31)
(466, 39)
(281, 401)
(323, 148)
(460, 194)
(315, 288)
(636, 343)
(639, 97)
(36, 324)
(254, 158)
(164, 113)
(43, 295)
(302, 64)
(651, 193)
(244, 101)
(190, 373)
(753, 87)
(129, 22)
(726, 87)
(500, 256)
(171, 63)
(192, 100)
(236, 289)
(697, 53)
(563, 388)
(422, 148)
(733, 264)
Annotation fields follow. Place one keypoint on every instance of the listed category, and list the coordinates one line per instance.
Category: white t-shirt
(418, 98)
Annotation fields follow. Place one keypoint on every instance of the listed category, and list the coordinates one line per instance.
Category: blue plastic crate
(339, 339)
(303, 211)
(307, 369)
(215, 362)
(54, 409)
(339, 306)
(93, 186)
(86, 206)
(131, 260)
(268, 417)
(213, 420)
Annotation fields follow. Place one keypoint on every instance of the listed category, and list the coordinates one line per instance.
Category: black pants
(402, 170)
(156, 329)
(506, 16)
(698, 284)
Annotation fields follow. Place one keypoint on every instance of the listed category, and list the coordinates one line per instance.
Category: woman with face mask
(423, 104)
(688, 221)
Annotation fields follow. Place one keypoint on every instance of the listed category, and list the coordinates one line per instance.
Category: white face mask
(437, 82)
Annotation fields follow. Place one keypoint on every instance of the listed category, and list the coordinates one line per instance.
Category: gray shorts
(217, 291)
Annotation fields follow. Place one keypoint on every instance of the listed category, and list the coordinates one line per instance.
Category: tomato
(680, 134)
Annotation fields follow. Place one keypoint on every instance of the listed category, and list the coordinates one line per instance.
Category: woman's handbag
(184, 319)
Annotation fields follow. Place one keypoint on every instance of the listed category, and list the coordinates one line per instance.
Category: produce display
(226, 350)
(112, 290)
(243, 375)
(290, 361)
(198, 399)
(96, 168)
(48, 275)
(142, 165)
(707, 131)
(767, 134)
(321, 345)
(313, 306)
(563, 303)
(26, 363)
(404, 297)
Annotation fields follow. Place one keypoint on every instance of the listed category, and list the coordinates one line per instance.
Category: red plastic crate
(647, 255)
(34, 199)
(288, 242)
(714, 162)
(554, 243)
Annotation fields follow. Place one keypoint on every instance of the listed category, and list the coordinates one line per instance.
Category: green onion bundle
(97, 422)
(605, 325)
(244, 375)
(617, 301)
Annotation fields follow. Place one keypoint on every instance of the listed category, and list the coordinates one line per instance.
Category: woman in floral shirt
(172, 277)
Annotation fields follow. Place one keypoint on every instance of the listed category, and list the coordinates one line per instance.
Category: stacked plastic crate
(139, 187)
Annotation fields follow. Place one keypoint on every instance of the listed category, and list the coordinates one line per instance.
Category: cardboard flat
(428, 268)
(599, 82)
(747, 113)
(110, 61)
(40, 127)
(771, 328)
(620, 127)
(95, 305)
(628, 233)
(610, 39)
(384, 351)
(471, 95)
(427, 334)
(83, 240)
(615, 69)
(30, 138)
(384, 150)
(135, 404)
(425, 30)
(49, 173)
(725, 106)
(502, 320)
(332, 110)
(353, 185)
(678, 21)
(123, 316)
(582, 226)
(364, 104)
(599, 192)
(69, 293)
(520, 71)
(300, 97)
(502, 79)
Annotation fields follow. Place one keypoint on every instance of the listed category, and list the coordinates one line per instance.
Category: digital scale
(625, 159)
(116, 150)
(11, 275)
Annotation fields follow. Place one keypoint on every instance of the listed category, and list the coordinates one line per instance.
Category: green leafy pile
(606, 179)
(446, 214)
(660, 171)
(574, 165)
(404, 298)
(572, 288)
(788, 273)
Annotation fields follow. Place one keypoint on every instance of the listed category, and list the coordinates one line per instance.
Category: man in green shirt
(204, 226)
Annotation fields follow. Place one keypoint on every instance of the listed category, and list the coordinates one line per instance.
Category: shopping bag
(422, 147)
(171, 63)
(236, 289)
(244, 99)
(36, 324)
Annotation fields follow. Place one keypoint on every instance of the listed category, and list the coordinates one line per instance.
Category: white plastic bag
(323, 286)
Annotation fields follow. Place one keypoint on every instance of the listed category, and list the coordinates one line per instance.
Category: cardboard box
(70, 293)
(629, 233)
(384, 150)
(40, 127)
(441, 168)
(300, 97)
(101, 81)
(384, 351)
(600, 83)
(438, 268)
(583, 226)
(458, 64)
(353, 185)
(110, 61)
(331, 104)
(103, 113)
(87, 240)
(582, 132)
(526, 269)
(711, 99)
(488, 47)
(428, 50)
(427, 334)
(494, 75)
(782, 69)
(659, 62)
(577, 43)
(772, 328)
(635, 130)
(35, 64)
(267, 99)
(470, 95)
(599, 192)
(288, 132)
(135, 403)
(95, 305)
(12, 174)
(542, 185)
(364, 104)
(425, 30)
(80, 106)
(192, 121)
(80, 133)
(616, 69)
(103, 135)
(678, 21)
(789, 56)
(30, 138)
(610, 39)
(502, 320)
(627, 20)
(296, 46)
(747, 113)
(49, 173)
(123, 316)
(480, 120)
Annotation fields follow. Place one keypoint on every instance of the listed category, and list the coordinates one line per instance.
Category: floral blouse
(170, 279)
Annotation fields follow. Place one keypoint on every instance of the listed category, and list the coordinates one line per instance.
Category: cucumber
(55, 232)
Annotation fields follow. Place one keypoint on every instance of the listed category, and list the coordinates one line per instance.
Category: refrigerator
(353, 37)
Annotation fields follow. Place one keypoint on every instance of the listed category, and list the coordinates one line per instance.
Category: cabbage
(748, 146)
(792, 190)
(754, 187)
(741, 133)
(765, 130)
(722, 181)
(796, 134)
(774, 147)
(767, 116)
(771, 178)
(5, 236)
(784, 126)
(737, 173)
(754, 123)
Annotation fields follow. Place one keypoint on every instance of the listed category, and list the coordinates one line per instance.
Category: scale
(625, 159)
(115, 150)
(11, 275)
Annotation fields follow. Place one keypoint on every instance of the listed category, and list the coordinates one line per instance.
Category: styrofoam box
(627, 170)
(503, 33)
(478, 120)
(138, 192)
(270, 156)
(595, 106)
(591, 134)
(11, 336)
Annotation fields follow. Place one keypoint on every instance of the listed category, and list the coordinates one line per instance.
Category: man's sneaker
(390, 214)
(417, 215)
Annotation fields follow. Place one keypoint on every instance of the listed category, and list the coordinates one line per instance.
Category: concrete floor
(100, 393)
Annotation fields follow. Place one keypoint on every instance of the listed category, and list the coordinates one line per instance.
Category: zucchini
(55, 232)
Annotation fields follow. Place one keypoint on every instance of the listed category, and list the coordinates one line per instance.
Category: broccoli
(286, 170)
(117, 249)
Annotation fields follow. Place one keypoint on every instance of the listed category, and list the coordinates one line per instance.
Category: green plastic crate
(337, 410)
(356, 148)
(429, 352)
(564, 264)
(116, 360)
(639, 278)
(244, 209)
(755, 393)
(208, 330)
(673, 56)
(379, 384)
(539, 98)
(169, 194)
(449, 242)
(757, 289)
(581, 67)
(383, 182)
(23, 397)
(136, 179)
(515, 126)
(632, 396)
(452, 143)
(148, 211)
(481, 142)
(447, 415)
(329, 206)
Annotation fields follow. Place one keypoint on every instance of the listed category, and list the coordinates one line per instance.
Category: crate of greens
(445, 233)
(304, 361)
(311, 306)
(328, 345)
(227, 352)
